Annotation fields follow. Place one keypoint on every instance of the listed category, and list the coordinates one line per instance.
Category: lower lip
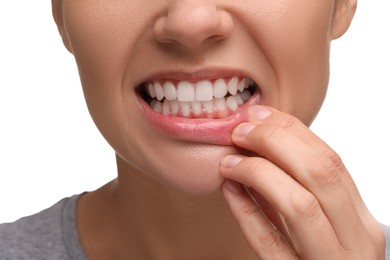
(200, 130)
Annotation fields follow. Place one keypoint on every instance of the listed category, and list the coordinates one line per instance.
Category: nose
(192, 23)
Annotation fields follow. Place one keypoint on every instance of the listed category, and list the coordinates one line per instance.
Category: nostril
(193, 23)
(215, 38)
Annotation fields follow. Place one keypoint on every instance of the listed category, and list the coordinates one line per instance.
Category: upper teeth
(204, 90)
(205, 98)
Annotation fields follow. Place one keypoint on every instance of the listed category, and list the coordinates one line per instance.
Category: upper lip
(193, 75)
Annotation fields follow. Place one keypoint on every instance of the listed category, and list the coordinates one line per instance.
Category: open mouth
(217, 98)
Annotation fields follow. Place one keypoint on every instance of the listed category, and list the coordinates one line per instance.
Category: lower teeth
(217, 108)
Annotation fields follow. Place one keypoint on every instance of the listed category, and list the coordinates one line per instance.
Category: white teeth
(241, 85)
(208, 106)
(175, 107)
(220, 104)
(232, 86)
(185, 91)
(166, 110)
(196, 107)
(238, 100)
(185, 108)
(169, 91)
(159, 91)
(157, 106)
(231, 103)
(219, 88)
(204, 91)
(201, 99)
(151, 91)
(245, 95)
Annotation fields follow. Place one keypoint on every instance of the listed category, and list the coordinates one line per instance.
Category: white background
(50, 148)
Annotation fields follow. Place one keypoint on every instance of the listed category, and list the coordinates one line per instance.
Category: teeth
(245, 95)
(220, 104)
(185, 91)
(220, 88)
(151, 91)
(175, 106)
(185, 108)
(231, 103)
(208, 106)
(196, 107)
(157, 106)
(241, 85)
(159, 91)
(204, 91)
(232, 86)
(169, 91)
(238, 100)
(201, 99)
(166, 110)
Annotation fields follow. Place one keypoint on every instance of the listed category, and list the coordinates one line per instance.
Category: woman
(199, 98)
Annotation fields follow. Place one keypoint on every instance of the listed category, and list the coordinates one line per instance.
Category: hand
(295, 199)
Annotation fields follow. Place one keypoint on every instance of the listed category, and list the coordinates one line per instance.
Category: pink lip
(201, 130)
(196, 75)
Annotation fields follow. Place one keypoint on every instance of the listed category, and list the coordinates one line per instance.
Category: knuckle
(256, 168)
(256, 165)
(327, 168)
(270, 135)
(289, 122)
(271, 240)
(250, 210)
(306, 206)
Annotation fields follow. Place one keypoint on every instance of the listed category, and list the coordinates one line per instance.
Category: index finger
(258, 115)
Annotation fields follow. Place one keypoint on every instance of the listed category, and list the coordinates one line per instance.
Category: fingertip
(243, 129)
(257, 113)
(230, 161)
(233, 187)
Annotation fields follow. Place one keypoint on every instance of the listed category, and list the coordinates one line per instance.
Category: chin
(194, 169)
(196, 183)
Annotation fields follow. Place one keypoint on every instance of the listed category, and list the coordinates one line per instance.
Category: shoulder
(386, 229)
(39, 236)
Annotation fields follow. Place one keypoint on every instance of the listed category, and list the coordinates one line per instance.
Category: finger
(270, 116)
(299, 206)
(259, 115)
(264, 238)
(272, 215)
(318, 171)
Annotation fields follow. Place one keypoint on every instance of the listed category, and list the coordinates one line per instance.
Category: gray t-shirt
(51, 234)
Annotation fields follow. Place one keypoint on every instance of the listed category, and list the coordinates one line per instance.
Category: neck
(139, 217)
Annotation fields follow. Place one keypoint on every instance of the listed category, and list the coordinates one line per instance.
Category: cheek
(295, 38)
(102, 36)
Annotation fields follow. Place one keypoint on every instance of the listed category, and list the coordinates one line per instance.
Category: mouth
(213, 99)
(197, 109)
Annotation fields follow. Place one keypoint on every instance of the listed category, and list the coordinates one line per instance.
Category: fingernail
(243, 129)
(257, 113)
(230, 161)
(233, 187)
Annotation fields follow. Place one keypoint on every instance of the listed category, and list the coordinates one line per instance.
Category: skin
(168, 190)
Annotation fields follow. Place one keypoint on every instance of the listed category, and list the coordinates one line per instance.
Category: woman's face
(165, 80)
